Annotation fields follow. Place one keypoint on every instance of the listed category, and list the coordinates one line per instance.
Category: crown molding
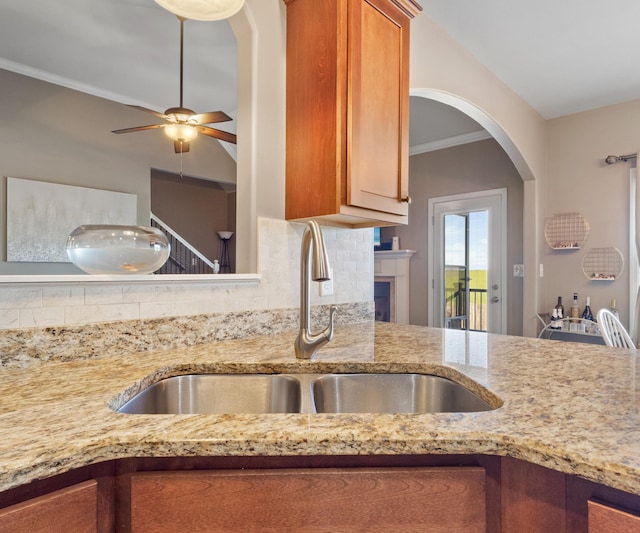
(449, 142)
(62, 81)
(68, 83)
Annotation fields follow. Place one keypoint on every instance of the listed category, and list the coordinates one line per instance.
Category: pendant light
(202, 9)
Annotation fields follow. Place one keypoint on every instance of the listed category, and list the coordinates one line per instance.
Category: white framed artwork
(40, 216)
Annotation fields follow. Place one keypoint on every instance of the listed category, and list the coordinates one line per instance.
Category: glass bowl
(114, 249)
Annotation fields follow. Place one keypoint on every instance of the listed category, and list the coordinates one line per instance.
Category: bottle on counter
(555, 322)
(612, 307)
(559, 308)
(575, 308)
(587, 314)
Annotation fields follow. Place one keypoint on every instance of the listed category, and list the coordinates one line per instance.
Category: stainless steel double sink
(304, 393)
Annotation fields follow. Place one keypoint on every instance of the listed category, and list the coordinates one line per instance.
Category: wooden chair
(613, 331)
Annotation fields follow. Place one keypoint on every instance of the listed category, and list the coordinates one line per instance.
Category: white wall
(260, 33)
(580, 181)
(350, 253)
(440, 64)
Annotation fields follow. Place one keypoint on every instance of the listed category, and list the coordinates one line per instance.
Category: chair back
(613, 331)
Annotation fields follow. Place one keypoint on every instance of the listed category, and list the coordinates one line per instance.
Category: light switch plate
(326, 287)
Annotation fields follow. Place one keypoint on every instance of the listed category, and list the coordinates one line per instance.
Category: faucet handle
(329, 331)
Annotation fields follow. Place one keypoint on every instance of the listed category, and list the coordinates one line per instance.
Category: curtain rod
(612, 159)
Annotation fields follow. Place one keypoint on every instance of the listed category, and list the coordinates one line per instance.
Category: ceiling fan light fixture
(181, 132)
(183, 125)
(202, 9)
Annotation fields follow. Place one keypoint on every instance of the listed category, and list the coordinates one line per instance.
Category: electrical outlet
(518, 271)
(326, 287)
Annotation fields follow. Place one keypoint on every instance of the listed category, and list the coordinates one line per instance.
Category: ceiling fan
(183, 124)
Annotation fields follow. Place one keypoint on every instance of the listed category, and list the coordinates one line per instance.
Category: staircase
(184, 258)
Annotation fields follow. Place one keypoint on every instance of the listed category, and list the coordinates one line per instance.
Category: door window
(467, 261)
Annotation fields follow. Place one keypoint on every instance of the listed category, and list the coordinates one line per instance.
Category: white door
(467, 261)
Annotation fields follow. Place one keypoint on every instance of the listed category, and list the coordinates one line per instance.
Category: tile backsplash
(75, 304)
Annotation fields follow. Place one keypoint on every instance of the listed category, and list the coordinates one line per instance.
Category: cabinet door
(70, 509)
(391, 499)
(605, 519)
(378, 106)
(347, 147)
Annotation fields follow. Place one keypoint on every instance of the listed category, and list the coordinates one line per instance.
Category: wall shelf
(603, 264)
(566, 231)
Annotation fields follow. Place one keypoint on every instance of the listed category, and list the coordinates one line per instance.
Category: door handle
(495, 299)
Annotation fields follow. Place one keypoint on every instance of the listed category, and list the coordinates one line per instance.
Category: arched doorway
(482, 164)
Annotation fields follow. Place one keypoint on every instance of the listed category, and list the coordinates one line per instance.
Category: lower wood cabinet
(362, 499)
(436, 493)
(606, 519)
(532, 498)
(72, 509)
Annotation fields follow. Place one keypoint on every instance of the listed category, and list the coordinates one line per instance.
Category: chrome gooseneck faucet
(314, 264)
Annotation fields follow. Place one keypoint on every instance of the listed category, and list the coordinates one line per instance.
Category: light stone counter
(570, 407)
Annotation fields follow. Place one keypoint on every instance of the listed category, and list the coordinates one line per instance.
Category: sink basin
(304, 393)
(393, 393)
(218, 393)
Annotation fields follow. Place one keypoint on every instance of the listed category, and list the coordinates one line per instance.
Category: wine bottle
(612, 307)
(587, 314)
(555, 322)
(559, 309)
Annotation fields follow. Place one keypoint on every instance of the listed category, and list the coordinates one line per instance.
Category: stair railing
(184, 258)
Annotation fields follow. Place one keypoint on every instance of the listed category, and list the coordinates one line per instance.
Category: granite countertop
(567, 406)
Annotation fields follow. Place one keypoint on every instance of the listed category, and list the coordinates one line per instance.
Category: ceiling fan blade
(146, 110)
(139, 128)
(218, 134)
(181, 147)
(210, 117)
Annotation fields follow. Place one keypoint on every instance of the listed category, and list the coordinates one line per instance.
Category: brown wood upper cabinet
(348, 111)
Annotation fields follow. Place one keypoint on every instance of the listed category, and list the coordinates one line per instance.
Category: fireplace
(391, 285)
(384, 292)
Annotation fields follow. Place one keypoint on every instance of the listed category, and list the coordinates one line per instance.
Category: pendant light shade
(202, 9)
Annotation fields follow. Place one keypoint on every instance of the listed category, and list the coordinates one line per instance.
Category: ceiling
(560, 56)
(124, 50)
